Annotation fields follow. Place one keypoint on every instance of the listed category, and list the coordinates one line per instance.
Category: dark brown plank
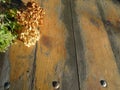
(96, 54)
(56, 59)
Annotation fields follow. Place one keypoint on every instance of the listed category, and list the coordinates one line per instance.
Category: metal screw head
(103, 83)
(56, 84)
(7, 85)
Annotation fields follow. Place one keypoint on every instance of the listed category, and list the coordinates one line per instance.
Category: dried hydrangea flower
(30, 19)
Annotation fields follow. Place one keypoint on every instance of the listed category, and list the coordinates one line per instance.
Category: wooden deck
(79, 47)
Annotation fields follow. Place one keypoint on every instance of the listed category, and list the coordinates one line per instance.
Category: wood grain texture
(99, 57)
(56, 59)
(79, 46)
(112, 25)
(21, 66)
(4, 69)
(17, 65)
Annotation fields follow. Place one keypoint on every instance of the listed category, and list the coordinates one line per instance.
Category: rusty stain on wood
(46, 41)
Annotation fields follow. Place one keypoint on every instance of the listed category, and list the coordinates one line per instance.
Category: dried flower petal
(30, 19)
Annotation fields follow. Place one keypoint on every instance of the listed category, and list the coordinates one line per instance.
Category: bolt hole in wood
(103, 83)
(6, 85)
(56, 85)
(108, 23)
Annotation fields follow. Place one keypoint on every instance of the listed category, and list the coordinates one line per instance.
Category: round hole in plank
(108, 23)
(6, 85)
(103, 83)
(56, 84)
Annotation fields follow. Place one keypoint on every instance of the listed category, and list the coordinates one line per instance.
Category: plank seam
(74, 44)
(34, 68)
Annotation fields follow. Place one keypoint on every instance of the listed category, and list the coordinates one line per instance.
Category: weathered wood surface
(21, 66)
(99, 59)
(79, 46)
(4, 69)
(55, 57)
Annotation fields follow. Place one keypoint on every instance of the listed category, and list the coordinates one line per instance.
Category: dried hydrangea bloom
(31, 18)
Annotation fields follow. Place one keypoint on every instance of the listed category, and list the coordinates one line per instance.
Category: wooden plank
(56, 59)
(112, 24)
(98, 58)
(4, 69)
(16, 66)
(21, 70)
(22, 61)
